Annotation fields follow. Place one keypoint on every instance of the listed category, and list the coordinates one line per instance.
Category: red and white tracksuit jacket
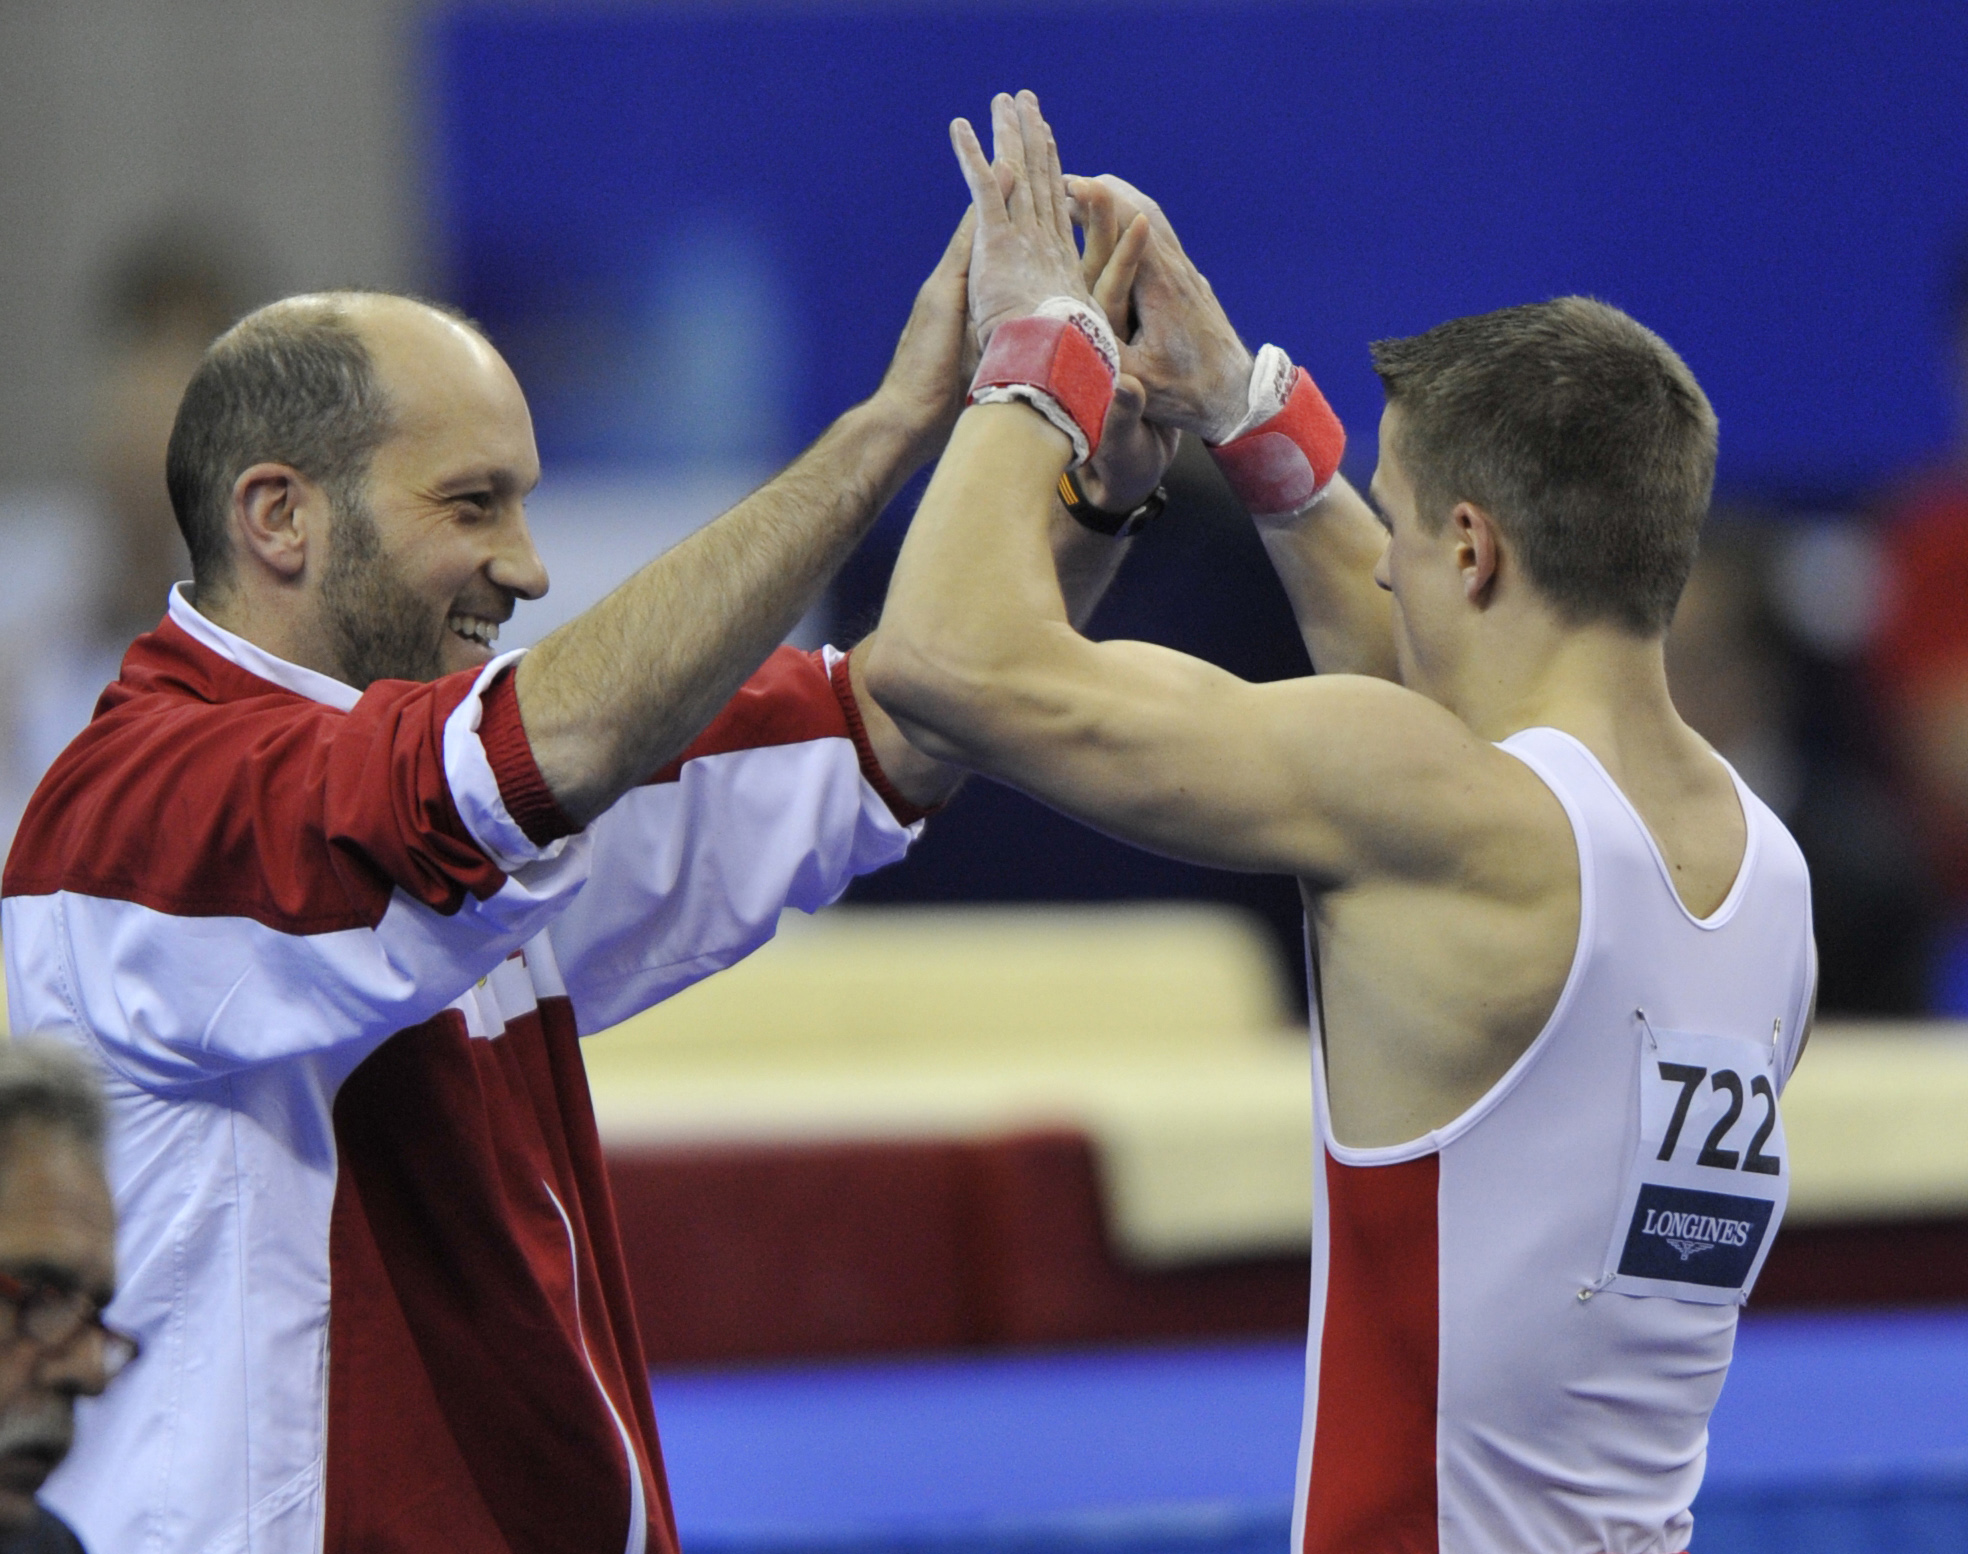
(332, 953)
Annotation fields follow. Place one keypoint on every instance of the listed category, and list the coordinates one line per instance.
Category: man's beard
(37, 1431)
(381, 629)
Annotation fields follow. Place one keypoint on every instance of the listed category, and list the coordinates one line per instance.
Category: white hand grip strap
(1282, 456)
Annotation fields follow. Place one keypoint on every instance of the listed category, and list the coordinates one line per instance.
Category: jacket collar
(257, 661)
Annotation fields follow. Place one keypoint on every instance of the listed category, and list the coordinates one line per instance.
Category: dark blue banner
(697, 231)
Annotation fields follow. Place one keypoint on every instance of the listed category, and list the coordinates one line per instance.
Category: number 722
(1689, 1078)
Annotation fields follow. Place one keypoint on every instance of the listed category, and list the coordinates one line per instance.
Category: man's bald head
(295, 383)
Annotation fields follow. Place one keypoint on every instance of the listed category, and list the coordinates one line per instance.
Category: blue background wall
(642, 203)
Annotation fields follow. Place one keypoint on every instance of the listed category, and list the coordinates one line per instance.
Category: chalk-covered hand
(1022, 250)
(1134, 453)
(1194, 369)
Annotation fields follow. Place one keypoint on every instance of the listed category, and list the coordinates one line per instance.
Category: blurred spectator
(1763, 661)
(57, 1271)
(163, 299)
(1920, 662)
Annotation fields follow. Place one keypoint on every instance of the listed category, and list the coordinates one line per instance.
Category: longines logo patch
(1694, 1237)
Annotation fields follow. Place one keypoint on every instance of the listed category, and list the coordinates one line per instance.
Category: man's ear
(278, 514)
(1478, 552)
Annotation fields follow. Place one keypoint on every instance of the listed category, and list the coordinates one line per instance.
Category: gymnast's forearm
(1325, 557)
(976, 594)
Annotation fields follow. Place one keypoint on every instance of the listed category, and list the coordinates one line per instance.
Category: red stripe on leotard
(1372, 1489)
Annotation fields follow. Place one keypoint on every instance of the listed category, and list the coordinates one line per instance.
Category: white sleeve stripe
(176, 1001)
(475, 786)
(692, 875)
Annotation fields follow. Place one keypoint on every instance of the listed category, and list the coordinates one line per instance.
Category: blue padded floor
(1841, 1435)
(1835, 1435)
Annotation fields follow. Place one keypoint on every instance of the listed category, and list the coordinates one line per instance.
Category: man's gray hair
(292, 383)
(44, 1082)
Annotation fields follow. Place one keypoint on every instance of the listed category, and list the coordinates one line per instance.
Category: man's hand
(1097, 213)
(1196, 374)
(1022, 251)
(1182, 349)
(1133, 454)
(923, 389)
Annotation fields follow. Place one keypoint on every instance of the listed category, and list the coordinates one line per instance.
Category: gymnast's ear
(1478, 550)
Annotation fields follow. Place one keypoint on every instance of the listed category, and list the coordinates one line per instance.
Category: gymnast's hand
(1182, 348)
(1022, 251)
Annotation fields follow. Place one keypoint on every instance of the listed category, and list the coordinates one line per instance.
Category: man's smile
(474, 628)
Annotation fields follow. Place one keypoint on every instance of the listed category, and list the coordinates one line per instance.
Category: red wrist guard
(1285, 464)
(1053, 365)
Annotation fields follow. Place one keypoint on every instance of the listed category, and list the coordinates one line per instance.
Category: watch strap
(1117, 526)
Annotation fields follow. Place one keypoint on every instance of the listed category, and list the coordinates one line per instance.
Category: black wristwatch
(1117, 526)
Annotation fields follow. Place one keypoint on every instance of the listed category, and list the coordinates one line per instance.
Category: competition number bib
(1710, 1174)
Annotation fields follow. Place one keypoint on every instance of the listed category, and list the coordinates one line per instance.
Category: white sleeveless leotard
(1521, 1321)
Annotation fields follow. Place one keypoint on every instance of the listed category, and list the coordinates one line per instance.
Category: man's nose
(517, 566)
(78, 1366)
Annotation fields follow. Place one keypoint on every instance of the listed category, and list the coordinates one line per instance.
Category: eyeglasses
(52, 1317)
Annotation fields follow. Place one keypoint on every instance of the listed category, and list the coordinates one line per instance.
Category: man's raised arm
(616, 693)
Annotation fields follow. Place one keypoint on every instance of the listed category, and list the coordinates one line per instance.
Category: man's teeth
(483, 632)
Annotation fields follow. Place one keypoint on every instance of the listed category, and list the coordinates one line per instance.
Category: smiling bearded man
(328, 892)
